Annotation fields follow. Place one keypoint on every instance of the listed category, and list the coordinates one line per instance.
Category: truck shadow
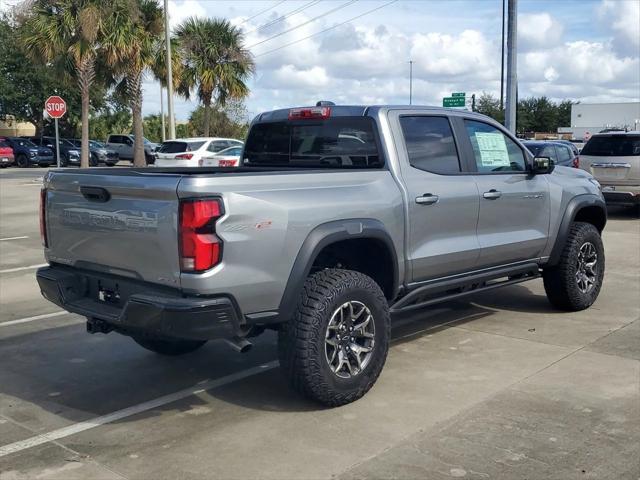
(64, 373)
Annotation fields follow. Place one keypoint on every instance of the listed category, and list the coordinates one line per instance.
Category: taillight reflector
(309, 113)
(185, 156)
(227, 163)
(576, 162)
(43, 216)
(200, 248)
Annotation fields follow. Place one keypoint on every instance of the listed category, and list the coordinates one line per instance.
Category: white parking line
(32, 319)
(12, 238)
(130, 411)
(19, 269)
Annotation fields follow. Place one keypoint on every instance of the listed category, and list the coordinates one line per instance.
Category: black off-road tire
(169, 347)
(301, 341)
(560, 282)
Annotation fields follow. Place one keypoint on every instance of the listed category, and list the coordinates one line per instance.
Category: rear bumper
(132, 307)
(621, 194)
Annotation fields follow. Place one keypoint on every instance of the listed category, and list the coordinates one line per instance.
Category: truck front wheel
(334, 347)
(574, 284)
(169, 347)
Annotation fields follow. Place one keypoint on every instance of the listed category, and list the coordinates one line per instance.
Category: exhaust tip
(240, 345)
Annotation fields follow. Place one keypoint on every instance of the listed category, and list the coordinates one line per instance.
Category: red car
(6, 154)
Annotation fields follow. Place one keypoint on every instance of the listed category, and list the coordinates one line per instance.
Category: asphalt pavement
(499, 386)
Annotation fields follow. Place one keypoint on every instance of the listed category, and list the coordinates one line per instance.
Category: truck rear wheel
(335, 346)
(574, 284)
(169, 347)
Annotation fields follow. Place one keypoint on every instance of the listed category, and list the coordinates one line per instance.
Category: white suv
(187, 152)
(614, 160)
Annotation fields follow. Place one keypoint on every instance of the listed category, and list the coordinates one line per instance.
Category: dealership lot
(500, 386)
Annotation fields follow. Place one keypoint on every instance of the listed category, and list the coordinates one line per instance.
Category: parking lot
(497, 386)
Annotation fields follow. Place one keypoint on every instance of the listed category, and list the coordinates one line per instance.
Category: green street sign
(458, 94)
(453, 102)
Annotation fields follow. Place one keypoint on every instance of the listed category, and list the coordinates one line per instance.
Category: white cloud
(538, 30)
(181, 10)
(367, 61)
(622, 18)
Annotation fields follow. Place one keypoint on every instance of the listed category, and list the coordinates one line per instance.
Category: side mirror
(542, 165)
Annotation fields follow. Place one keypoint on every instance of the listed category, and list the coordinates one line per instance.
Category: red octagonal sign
(55, 106)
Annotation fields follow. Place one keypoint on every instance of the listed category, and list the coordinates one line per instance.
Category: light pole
(512, 77)
(410, 81)
(502, 61)
(164, 137)
(167, 40)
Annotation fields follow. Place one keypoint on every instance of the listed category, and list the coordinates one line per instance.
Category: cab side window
(430, 144)
(494, 151)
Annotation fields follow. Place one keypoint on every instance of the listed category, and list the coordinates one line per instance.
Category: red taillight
(576, 162)
(227, 163)
(200, 248)
(310, 112)
(43, 216)
(185, 156)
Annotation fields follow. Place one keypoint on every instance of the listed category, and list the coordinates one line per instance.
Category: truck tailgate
(120, 224)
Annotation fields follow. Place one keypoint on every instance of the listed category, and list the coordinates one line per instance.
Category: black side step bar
(474, 282)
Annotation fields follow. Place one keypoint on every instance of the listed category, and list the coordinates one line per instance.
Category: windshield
(94, 144)
(613, 146)
(347, 142)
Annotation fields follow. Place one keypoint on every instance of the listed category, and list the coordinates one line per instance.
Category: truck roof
(361, 110)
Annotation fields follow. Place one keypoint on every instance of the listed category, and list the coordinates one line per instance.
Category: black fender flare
(321, 236)
(573, 207)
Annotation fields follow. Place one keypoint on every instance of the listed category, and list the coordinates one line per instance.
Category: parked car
(98, 152)
(614, 160)
(572, 145)
(123, 146)
(6, 154)
(188, 152)
(69, 153)
(559, 152)
(229, 157)
(321, 237)
(28, 154)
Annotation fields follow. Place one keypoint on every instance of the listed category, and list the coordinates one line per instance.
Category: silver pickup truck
(338, 218)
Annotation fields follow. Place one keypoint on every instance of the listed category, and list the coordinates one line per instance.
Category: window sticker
(493, 149)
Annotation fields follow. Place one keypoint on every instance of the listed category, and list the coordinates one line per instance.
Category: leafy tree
(216, 63)
(132, 33)
(488, 105)
(67, 31)
(228, 121)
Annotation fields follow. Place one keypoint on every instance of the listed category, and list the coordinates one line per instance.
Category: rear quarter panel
(268, 217)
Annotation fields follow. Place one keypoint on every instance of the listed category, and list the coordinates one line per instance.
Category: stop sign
(55, 106)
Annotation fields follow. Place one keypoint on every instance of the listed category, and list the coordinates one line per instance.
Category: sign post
(56, 108)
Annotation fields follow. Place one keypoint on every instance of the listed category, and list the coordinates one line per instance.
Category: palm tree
(132, 33)
(67, 30)
(216, 62)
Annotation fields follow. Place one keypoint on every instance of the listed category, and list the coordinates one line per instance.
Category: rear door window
(337, 142)
(564, 154)
(613, 146)
(430, 144)
(217, 146)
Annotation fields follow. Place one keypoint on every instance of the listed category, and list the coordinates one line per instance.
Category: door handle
(427, 199)
(492, 194)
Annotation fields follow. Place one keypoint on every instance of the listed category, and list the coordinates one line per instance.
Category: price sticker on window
(493, 149)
